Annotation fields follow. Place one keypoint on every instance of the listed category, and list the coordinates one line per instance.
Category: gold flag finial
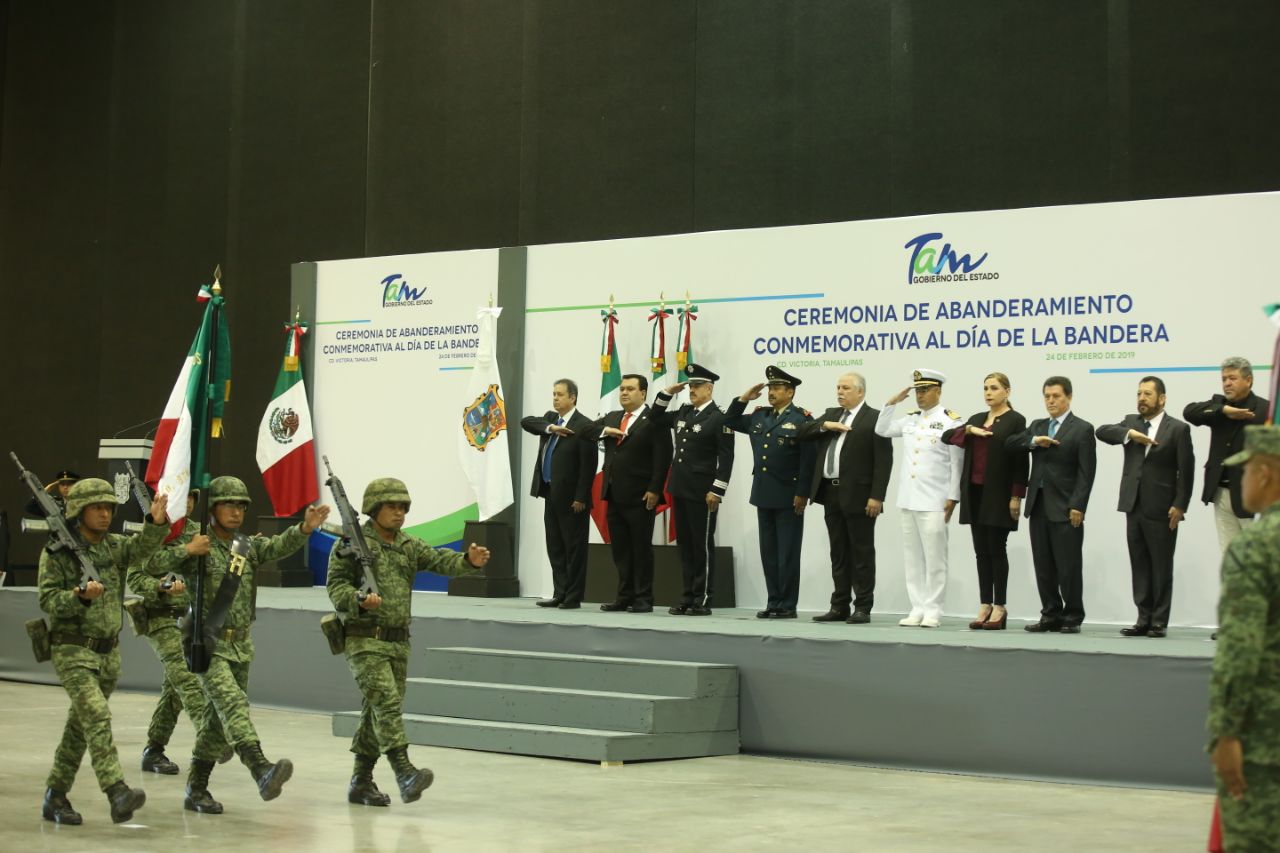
(297, 315)
(217, 280)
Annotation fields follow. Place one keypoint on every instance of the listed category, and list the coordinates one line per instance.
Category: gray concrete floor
(484, 801)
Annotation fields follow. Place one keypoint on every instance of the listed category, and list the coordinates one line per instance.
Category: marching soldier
(376, 629)
(700, 475)
(928, 491)
(226, 720)
(1244, 694)
(779, 485)
(84, 633)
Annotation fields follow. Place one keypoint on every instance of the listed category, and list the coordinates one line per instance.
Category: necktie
(830, 465)
(1053, 427)
(626, 419)
(1146, 427)
(546, 456)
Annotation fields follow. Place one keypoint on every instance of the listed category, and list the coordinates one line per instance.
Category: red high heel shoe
(998, 624)
(980, 623)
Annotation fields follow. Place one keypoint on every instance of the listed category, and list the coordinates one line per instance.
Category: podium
(498, 577)
(116, 452)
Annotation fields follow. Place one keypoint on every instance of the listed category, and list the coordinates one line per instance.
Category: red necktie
(626, 419)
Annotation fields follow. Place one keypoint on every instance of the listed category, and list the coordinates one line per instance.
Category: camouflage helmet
(227, 489)
(87, 492)
(383, 490)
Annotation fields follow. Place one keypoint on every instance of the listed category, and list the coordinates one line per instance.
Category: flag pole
(199, 655)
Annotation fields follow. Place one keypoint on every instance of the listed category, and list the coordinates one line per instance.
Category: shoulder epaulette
(806, 413)
(952, 415)
(916, 412)
(757, 409)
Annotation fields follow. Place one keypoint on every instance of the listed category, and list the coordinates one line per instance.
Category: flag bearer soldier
(780, 484)
(376, 630)
(84, 634)
(700, 475)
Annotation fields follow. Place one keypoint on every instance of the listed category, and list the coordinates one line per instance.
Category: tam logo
(927, 261)
(397, 291)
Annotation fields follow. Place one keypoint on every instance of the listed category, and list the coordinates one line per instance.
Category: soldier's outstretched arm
(442, 561)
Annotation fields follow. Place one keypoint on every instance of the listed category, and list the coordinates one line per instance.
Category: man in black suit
(1063, 463)
(850, 477)
(700, 475)
(1155, 489)
(562, 476)
(637, 454)
(1226, 415)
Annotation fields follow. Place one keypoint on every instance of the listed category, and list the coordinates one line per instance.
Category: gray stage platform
(1093, 707)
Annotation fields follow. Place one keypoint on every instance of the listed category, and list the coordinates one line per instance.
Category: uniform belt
(233, 635)
(101, 645)
(378, 632)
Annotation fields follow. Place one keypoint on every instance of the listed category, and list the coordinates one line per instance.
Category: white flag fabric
(482, 449)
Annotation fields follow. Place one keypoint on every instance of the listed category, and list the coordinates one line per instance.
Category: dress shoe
(912, 619)
(981, 622)
(832, 616)
(784, 614)
(615, 606)
(1157, 632)
(697, 610)
(1042, 627)
(678, 610)
(996, 624)
(1069, 629)
(859, 617)
(640, 608)
(764, 614)
(930, 622)
(549, 602)
(569, 605)
(1135, 631)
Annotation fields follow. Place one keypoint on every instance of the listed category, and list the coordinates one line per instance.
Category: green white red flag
(286, 443)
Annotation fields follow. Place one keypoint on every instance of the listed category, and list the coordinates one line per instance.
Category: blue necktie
(1053, 427)
(546, 456)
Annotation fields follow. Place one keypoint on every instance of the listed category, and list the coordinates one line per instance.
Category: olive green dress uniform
(1244, 695)
(85, 639)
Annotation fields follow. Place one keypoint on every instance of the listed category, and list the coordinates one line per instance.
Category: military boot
(270, 777)
(124, 801)
(57, 808)
(155, 761)
(198, 797)
(363, 790)
(411, 780)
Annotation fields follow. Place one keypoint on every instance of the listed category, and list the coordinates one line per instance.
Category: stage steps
(604, 709)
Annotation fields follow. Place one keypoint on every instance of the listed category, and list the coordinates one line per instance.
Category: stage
(1093, 707)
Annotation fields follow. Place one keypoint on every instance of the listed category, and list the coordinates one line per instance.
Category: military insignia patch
(121, 486)
(679, 425)
(788, 425)
(484, 419)
(697, 427)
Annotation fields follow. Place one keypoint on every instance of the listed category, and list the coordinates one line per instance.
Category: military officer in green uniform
(1244, 696)
(780, 481)
(84, 633)
(225, 684)
(376, 628)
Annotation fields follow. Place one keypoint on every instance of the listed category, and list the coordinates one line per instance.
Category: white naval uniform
(929, 476)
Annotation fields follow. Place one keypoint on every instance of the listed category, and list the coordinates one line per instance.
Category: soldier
(376, 628)
(57, 489)
(699, 478)
(1244, 695)
(928, 491)
(84, 634)
(781, 477)
(226, 682)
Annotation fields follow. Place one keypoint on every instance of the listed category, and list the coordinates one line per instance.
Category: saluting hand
(313, 518)
(612, 432)
(899, 397)
(1045, 441)
(835, 426)
(672, 390)
(477, 555)
(1140, 437)
(978, 431)
(1237, 414)
(752, 393)
(159, 508)
(562, 431)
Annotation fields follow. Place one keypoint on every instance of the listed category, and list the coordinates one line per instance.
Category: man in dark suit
(700, 475)
(1226, 415)
(562, 476)
(1155, 489)
(637, 455)
(779, 484)
(1063, 463)
(850, 477)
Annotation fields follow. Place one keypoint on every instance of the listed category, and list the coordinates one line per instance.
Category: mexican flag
(610, 381)
(193, 414)
(684, 338)
(485, 457)
(286, 447)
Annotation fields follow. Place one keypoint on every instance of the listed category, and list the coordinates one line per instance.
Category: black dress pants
(1057, 551)
(631, 543)
(566, 549)
(696, 538)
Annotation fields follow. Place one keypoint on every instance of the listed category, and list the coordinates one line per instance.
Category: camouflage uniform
(380, 667)
(1244, 699)
(89, 676)
(181, 688)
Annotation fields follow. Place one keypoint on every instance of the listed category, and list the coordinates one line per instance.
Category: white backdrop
(396, 338)
(1176, 288)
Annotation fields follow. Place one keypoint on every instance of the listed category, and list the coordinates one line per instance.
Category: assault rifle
(353, 543)
(60, 534)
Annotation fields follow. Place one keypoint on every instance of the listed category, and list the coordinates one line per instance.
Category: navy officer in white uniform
(928, 491)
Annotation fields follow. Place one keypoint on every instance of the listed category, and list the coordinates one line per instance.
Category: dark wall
(143, 142)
